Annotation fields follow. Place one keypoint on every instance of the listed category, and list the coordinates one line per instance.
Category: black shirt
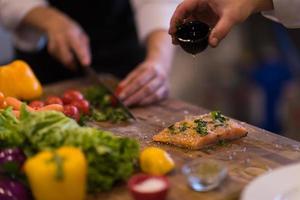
(113, 39)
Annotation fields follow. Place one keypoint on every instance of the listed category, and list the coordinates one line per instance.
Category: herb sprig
(201, 127)
(218, 117)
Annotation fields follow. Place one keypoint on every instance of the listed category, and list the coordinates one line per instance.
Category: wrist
(160, 49)
(263, 5)
(36, 18)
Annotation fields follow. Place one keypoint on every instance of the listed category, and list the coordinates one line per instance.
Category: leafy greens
(110, 158)
(102, 106)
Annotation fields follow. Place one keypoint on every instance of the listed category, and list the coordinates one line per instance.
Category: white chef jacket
(286, 12)
(150, 15)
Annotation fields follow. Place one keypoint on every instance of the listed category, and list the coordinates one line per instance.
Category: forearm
(36, 18)
(285, 12)
(160, 48)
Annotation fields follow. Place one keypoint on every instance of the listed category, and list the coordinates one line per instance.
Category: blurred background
(253, 76)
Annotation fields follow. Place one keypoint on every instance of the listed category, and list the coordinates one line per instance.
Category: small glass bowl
(204, 174)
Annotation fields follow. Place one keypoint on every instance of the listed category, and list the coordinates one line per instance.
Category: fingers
(158, 95)
(149, 89)
(58, 47)
(222, 28)
(65, 45)
(184, 10)
(131, 76)
(136, 81)
(80, 46)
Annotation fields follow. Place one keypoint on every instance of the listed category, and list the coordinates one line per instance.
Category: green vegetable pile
(110, 158)
(102, 106)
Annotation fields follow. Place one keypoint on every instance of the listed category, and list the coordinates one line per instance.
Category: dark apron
(113, 39)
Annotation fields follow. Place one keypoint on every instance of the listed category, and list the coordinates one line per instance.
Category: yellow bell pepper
(57, 175)
(18, 80)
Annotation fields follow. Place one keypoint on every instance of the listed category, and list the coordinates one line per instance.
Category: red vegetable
(16, 104)
(71, 95)
(71, 111)
(15, 155)
(113, 100)
(37, 104)
(118, 90)
(54, 100)
(54, 107)
(82, 105)
(13, 190)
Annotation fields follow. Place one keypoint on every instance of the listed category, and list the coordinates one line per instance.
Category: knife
(92, 75)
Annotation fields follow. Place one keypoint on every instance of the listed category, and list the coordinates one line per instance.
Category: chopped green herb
(222, 143)
(217, 116)
(201, 127)
(183, 127)
(172, 128)
(102, 106)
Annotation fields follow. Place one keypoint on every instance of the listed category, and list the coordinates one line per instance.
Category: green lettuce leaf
(110, 158)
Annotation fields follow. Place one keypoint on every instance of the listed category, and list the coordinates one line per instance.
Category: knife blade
(92, 75)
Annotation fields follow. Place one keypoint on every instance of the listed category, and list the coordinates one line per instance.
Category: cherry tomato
(71, 111)
(82, 105)
(71, 95)
(118, 90)
(36, 104)
(53, 100)
(113, 101)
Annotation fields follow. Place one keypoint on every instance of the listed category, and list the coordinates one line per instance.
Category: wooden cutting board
(258, 153)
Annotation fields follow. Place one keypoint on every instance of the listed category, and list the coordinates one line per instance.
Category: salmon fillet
(202, 131)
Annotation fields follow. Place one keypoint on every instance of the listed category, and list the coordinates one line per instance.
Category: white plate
(280, 184)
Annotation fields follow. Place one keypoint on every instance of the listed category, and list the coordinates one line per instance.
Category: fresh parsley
(201, 127)
(172, 128)
(222, 143)
(102, 106)
(218, 117)
(183, 127)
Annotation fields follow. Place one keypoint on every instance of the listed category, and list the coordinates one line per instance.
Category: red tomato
(118, 90)
(37, 104)
(71, 95)
(82, 105)
(71, 111)
(113, 101)
(53, 100)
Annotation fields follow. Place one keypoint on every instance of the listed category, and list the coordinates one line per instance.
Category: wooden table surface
(259, 152)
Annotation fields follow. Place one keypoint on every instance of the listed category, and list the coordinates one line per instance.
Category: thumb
(220, 31)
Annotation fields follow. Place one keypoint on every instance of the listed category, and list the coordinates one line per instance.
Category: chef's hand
(220, 14)
(148, 83)
(66, 38)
